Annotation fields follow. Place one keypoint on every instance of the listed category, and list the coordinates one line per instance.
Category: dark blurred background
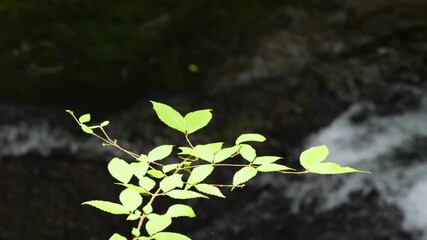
(350, 74)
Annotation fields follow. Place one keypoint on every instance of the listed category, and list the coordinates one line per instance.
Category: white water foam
(40, 138)
(371, 146)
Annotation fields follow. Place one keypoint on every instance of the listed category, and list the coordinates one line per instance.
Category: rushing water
(393, 148)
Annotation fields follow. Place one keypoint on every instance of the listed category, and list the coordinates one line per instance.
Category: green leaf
(215, 146)
(136, 188)
(157, 223)
(117, 236)
(147, 183)
(69, 111)
(160, 152)
(139, 169)
(187, 151)
(110, 207)
(204, 152)
(250, 137)
(169, 116)
(209, 189)
(131, 199)
(134, 216)
(199, 173)
(184, 194)
(244, 175)
(332, 168)
(186, 166)
(180, 210)
(136, 232)
(247, 152)
(156, 173)
(265, 159)
(84, 118)
(143, 158)
(225, 153)
(147, 209)
(104, 123)
(171, 182)
(170, 236)
(193, 68)
(170, 167)
(120, 170)
(197, 120)
(313, 156)
(272, 167)
(144, 238)
(86, 129)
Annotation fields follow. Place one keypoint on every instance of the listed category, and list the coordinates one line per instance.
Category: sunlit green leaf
(136, 188)
(204, 152)
(86, 129)
(171, 182)
(160, 152)
(147, 209)
(136, 232)
(117, 236)
(272, 167)
(144, 238)
(313, 156)
(184, 194)
(143, 158)
(265, 159)
(250, 137)
(157, 223)
(244, 175)
(156, 173)
(147, 183)
(110, 207)
(187, 151)
(209, 189)
(180, 210)
(84, 118)
(197, 120)
(186, 165)
(131, 199)
(170, 167)
(170, 236)
(199, 173)
(215, 146)
(225, 153)
(169, 116)
(104, 123)
(247, 152)
(134, 216)
(139, 169)
(120, 170)
(332, 168)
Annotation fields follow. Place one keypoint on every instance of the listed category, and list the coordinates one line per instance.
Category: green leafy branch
(147, 178)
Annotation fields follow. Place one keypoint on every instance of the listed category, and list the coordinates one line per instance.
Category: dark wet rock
(365, 217)
(362, 113)
(402, 98)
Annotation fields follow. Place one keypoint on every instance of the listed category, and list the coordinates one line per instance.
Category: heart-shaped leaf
(120, 170)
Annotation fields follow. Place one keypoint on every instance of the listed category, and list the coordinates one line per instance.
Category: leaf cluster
(148, 177)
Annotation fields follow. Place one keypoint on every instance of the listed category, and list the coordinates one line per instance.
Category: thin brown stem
(226, 185)
(188, 140)
(295, 173)
(143, 216)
